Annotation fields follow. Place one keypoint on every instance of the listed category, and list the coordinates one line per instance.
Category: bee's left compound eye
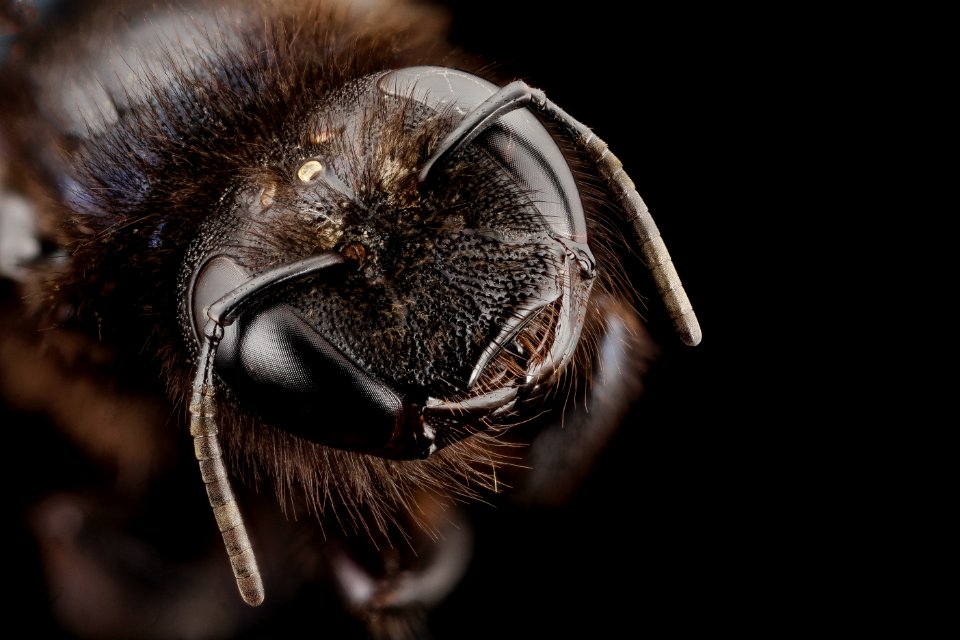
(520, 144)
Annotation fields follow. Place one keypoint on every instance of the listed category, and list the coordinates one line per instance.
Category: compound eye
(517, 140)
(280, 368)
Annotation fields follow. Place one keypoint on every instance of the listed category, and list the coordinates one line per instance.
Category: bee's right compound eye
(281, 368)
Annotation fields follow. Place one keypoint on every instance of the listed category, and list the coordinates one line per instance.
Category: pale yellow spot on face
(309, 170)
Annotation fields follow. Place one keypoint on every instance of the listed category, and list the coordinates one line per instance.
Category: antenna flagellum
(206, 444)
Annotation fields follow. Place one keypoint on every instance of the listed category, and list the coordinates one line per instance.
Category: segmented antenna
(517, 95)
(203, 422)
(206, 445)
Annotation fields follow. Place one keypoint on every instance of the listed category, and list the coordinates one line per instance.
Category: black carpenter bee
(372, 282)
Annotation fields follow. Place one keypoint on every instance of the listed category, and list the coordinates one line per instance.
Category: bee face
(462, 284)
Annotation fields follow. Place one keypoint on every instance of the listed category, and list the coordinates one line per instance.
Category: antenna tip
(251, 589)
(689, 329)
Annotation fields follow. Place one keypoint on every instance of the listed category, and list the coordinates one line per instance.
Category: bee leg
(563, 453)
(393, 591)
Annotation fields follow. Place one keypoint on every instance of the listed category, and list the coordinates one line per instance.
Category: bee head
(464, 279)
